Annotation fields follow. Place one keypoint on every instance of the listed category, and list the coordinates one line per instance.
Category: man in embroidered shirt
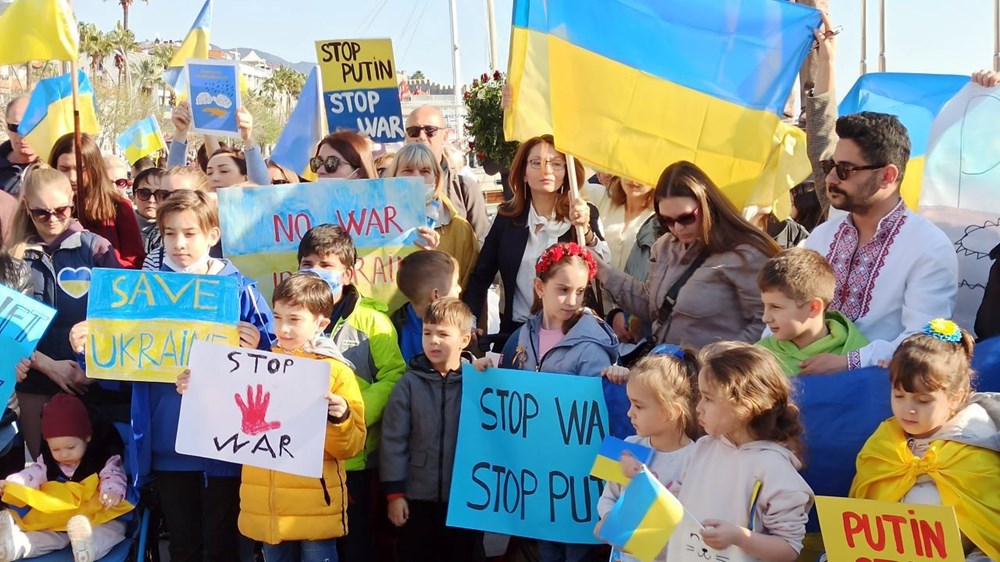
(895, 270)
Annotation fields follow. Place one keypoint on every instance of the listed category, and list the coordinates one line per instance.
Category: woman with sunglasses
(144, 197)
(708, 257)
(60, 254)
(538, 216)
(100, 207)
(344, 155)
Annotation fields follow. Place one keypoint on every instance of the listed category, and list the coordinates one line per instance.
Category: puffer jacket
(276, 506)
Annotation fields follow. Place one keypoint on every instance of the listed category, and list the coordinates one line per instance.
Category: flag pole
(77, 137)
(881, 36)
(864, 37)
(581, 233)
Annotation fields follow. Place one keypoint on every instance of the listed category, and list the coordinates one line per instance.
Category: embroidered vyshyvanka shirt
(890, 287)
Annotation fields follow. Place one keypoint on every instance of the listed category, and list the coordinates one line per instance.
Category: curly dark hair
(882, 138)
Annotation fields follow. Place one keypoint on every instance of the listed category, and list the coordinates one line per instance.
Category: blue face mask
(332, 278)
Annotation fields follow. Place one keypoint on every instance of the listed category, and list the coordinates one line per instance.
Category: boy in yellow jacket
(298, 518)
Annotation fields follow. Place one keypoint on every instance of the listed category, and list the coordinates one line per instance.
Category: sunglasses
(280, 182)
(42, 215)
(844, 171)
(12, 127)
(686, 219)
(123, 183)
(145, 194)
(429, 130)
(330, 163)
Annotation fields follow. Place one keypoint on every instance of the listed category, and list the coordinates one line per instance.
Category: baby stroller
(136, 546)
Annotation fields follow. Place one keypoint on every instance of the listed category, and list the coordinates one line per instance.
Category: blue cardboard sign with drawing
(214, 90)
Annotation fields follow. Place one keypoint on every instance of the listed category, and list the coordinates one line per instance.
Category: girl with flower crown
(562, 336)
(941, 447)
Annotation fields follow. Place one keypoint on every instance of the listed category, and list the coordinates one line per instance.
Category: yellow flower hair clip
(944, 330)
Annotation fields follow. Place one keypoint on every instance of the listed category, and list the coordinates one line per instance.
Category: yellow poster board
(878, 531)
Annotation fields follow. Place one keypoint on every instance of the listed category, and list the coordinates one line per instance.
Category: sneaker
(79, 531)
(7, 549)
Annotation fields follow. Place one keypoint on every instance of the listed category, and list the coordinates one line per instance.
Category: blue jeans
(302, 551)
(549, 551)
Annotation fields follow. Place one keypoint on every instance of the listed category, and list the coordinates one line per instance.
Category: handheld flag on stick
(633, 106)
(304, 130)
(141, 139)
(195, 46)
(643, 518)
(915, 99)
(607, 465)
(38, 30)
(49, 114)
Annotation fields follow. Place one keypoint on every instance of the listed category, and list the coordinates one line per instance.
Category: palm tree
(126, 4)
(96, 45)
(147, 74)
(122, 43)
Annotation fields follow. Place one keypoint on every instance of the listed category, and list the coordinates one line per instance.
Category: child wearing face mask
(952, 431)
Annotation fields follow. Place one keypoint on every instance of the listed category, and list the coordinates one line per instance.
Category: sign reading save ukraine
(143, 323)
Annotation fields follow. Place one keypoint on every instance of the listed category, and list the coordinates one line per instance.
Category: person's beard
(858, 203)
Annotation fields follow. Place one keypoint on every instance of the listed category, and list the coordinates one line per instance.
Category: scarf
(844, 338)
(966, 476)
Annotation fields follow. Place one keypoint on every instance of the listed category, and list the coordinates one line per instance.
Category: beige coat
(720, 301)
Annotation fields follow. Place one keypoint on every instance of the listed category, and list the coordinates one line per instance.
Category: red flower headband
(558, 252)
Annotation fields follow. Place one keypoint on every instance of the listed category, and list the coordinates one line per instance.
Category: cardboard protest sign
(360, 90)
(214, 90)
(526, 442)
(255, 408)
(867, 530)
(380, 215)
(143, 323)
(23, 322)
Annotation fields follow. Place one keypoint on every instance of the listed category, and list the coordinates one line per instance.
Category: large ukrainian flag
(304, 129)
(49, 114)
(632, 86)
(915, 99)
(195, 46)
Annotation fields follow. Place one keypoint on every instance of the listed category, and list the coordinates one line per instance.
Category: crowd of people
(697, 318)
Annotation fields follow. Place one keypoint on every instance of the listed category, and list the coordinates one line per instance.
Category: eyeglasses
(686, 219)
(844, 170)
(330, 163)
(42, 215)
(280, 182)
(12, 127)
(429, 130)
(123, 183)
(556, 165)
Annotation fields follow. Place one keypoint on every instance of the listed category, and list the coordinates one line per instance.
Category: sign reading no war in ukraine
(526, 443)
(143, 323)
(261, 228)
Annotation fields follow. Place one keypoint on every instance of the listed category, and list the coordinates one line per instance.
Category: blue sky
(922, 35)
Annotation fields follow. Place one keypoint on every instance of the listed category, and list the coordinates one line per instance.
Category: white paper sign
(255, 408)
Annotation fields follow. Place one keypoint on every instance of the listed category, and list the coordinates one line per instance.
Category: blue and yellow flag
(49, 114)
(141, 139)
(642, 520)
(195, 46)
(38, 30)
(305, 128)
(632, 86)
(915, 99)
(607, 465)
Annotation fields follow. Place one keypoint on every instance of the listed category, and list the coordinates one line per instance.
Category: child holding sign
(61, 255)
(561, 337)
(662, 411)
(421, 422)
(946, 430)
(72, 453)
(199, 497)
(741, 480)
(299, 518)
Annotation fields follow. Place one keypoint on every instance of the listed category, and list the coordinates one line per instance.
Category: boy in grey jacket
(419, 434)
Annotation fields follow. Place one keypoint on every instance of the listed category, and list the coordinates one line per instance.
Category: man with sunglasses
(895, 270)
(426, 124)
(15, 154)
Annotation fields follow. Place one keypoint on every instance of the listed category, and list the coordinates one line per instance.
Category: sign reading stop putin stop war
(143, 323)
(360, 90)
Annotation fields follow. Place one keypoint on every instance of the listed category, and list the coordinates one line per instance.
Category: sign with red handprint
(254, 407)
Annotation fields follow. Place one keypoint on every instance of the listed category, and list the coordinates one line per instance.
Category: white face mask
(200, 266)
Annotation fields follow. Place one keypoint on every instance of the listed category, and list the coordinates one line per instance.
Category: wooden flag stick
(581, 232)
(77, 139)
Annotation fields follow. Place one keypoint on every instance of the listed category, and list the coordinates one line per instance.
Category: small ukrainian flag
(607, 466)
(643, 519)
(141, 139)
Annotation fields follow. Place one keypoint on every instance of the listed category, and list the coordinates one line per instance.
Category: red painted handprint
(254, 411)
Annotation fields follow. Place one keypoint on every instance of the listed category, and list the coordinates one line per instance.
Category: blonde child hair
(754, 383)
(672, 379)
(38, 176)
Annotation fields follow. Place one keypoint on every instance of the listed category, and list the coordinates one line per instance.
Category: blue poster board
(526, 443)
(214, 90)
(23, 322)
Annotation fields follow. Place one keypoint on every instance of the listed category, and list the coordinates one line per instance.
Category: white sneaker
(79, 531)
(7, 548)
